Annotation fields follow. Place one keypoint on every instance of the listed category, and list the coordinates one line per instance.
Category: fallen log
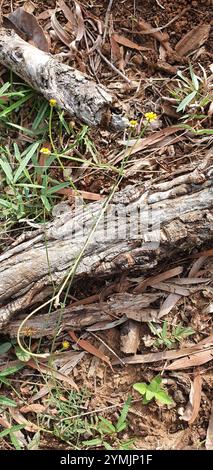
(74, 92)
(139, 228)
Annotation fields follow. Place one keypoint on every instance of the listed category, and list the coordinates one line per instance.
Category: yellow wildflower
(65, 344)
(151, 116)
(133, 123)
(52, 102)
(45, 151)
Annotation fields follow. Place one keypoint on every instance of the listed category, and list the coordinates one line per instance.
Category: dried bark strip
(77, 317)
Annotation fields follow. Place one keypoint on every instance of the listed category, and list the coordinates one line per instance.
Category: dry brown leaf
(140, 144)
(116, 51)
(130, 337)
(203, 253)
(192, 408)
(80, 26)
(45, 390)
(209, 435)
(127, 43)
(160, 277)
(192, 360)
(44, 15)
(20, 419)
(191, 280)
(87, 346)
(59, 30)
(29, 6)
(84, 194)
(67, 13)
(169, 355)
(168, 304)
(53, 373)
(66, 361)
(27, 23)
(193, 39)
(169, 287)
(196, 266)
(106, 325)
(172, 299)
(163, 38)
(33, 408)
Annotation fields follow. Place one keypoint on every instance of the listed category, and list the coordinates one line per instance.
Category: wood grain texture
(180, 210)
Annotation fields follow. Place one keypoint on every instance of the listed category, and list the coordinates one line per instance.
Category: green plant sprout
(153, 390)
(11, 432)
(193, 94)
(5, 401)
(164, 337)
(108, 432)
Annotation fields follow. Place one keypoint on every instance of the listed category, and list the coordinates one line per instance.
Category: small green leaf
(4, 88)
(163, 397)
(127, 445)
(46, 203)
(106, 425)
(185, 79)
(56, 188)
(107, 445)
(5, 381)
(7, 170)
(149, 394)
(121, 427)
(155, 383)
(164, 329)
(203, 131)
(92, 442)
(4, 348)
(15, 428)
(17, 444)
(124, 413)
(22, 355)
(25, 161)
(153, 329)
(5, 203)
(4, 401)
(10, 370)
(182, 106)
(16, 105)
(140, 387)
(194, 78)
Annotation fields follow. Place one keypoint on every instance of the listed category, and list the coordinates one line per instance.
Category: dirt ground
(152, 73)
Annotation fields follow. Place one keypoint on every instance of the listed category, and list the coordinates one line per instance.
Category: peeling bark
(82, 316)
(74, 92)
(180, 210)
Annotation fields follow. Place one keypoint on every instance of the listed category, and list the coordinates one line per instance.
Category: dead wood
(75, 92)
(77, 317)
(141, 227)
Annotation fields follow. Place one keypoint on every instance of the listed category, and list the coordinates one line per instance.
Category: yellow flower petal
(45, 151)
(52, 102)
(133, 123)
(65, 344)
(151, 116)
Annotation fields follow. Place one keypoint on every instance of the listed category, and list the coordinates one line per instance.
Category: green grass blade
(25, 161)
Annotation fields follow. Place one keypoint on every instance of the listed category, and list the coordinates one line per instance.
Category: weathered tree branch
(179, 211)
(80, 96)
